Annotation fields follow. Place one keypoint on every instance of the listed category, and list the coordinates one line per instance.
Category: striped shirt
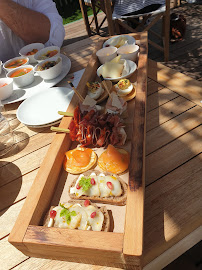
(122, 7)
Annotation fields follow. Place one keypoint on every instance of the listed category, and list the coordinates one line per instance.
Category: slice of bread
(119, 200)
(103, 209)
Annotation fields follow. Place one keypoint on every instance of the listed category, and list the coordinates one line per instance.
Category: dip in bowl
(46, 53)
(30, 50)
(6, 88)
(49, 69)
(22, 76)
(15, 63)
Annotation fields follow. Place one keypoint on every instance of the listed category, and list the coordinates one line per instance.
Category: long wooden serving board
(123, 246)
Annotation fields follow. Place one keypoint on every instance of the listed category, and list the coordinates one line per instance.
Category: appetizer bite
(124, 87)
(114, 160)
(79, 160)
(22, 76)
(96, 128)
(81, 215)
(48, 64)
(95, 89)
(116, 105)
(20, 72)
(99, 187)
(116, 68)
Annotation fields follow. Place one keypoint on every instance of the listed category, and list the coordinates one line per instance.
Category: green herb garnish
(67, 214)
(85, 183)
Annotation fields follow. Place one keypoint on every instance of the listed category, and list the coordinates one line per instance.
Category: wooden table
(173, 168)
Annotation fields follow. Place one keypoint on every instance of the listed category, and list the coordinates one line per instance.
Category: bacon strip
(94, 128)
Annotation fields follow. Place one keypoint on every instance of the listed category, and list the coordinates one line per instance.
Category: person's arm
(31, 26)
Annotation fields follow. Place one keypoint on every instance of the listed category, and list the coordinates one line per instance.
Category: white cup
(106, 54)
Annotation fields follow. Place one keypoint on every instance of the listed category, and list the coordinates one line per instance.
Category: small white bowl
(106, 54)
(7, 90)
(22, 80)
(128, 52)
(44, 51)
(1, 66)
(52, 72)
(28, 48)
(15, 59)
(132, 68)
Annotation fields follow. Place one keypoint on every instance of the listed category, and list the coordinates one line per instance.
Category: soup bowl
(30, 50)
(128, 52)
(50, 68)
(15, 63)
(22, 76)
(6, 88)
(46, 53)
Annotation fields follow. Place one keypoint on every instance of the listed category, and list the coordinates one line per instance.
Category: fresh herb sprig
(85, 183)
(67, 214)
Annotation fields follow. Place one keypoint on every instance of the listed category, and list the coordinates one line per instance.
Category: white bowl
(29, 48)
(110, 42)
(7, 90)
(52, 72)
(128, 52)
(132, 68)
(106, 54)
(22, 80)
(44, 51)
(15, 59)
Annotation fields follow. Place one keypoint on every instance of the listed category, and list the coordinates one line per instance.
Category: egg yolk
(78, 158)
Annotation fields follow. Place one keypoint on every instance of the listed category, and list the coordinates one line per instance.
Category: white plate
(42, 108)
(47, 125)
(38, 84)
(132, 69)
(130, 40)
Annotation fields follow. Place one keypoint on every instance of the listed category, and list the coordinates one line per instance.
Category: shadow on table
(9, 190)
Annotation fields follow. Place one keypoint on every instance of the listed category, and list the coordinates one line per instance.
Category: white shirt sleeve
(48, 8)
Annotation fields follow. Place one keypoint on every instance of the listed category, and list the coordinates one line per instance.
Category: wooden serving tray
(122, 247)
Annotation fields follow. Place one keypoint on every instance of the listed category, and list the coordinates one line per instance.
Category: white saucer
(130, 40)
(38, 85)
(132, 69)
(42, 109)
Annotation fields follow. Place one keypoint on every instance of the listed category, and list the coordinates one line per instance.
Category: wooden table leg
(85, 16)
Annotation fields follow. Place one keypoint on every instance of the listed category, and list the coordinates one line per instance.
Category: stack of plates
(41, 110)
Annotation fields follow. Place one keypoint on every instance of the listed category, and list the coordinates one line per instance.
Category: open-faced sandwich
(99, 187)
(79, 160)
(81, 215)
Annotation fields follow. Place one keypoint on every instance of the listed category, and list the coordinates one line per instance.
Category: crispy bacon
(94, 128)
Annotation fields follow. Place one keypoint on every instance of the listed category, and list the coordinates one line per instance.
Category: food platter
(20, 94)
(42, 108)
(52, 186)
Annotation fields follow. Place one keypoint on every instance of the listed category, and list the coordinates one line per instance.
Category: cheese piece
(88, 101)
(94, 190)
(97, 221)
(104, 190)
(112, 70)
(83, 224)
(116, 186)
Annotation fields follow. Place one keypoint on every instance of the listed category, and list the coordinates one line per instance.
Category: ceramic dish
(42, 108)
(38, 84)
(132, 68)
(128, 52)
(6, 88)
(106, 54)
(29, 49)
(40, 55)
(51, 72)
(25, 78)
(15, 59)
(109, 42)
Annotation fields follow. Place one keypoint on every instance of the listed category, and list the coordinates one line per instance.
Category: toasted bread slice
(103, 209)
(116, 200)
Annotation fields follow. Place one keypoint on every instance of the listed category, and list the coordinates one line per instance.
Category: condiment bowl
(17, 62)
(52, 72)
(106, 54)
(0, 66)
(128, 52)
(41, 55)
(22, 80)
(27, 51)
(6, 88)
